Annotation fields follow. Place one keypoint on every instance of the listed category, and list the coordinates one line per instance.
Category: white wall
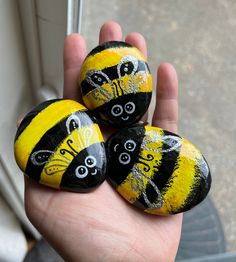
(15, 100)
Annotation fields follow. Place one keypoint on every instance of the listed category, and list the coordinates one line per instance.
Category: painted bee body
(156, 170)
(116, 84)
(59, 145)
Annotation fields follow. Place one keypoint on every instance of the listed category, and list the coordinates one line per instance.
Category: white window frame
(42, 88)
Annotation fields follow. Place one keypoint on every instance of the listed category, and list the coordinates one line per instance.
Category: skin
(101, 226)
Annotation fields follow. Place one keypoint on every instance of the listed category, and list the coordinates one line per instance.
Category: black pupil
(90, 161)
(130, 146)
(73, 125)
(126, 68)
(129, 107)
(82, 170)
(124, 157)
(117, 110)
(98, 79)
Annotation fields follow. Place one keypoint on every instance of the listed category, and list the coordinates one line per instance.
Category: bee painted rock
(156, 170)
(59, 145)
(116, 84)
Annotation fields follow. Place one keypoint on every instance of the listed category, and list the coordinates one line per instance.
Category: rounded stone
(116, 84)
(156, 170)
(60, 145)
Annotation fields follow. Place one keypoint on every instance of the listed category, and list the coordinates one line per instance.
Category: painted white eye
(117, 110)
(129, 107)
(124, 158)
(130, 145)
(90, 161)
(81, 171)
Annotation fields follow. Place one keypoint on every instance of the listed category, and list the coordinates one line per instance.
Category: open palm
(101, 226)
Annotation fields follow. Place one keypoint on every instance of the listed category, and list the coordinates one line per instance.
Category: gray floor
(198, 37)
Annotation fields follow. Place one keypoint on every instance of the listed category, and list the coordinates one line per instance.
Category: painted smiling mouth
(94, 173)
(125, 118)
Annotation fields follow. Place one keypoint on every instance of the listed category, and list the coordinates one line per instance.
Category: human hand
(101, 226)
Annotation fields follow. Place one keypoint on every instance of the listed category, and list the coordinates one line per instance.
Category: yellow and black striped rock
(116, 83)
(59, 145)
(156, 170)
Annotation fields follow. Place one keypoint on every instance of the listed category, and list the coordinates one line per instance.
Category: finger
(166, 111)
(37, 198)
(110, 31)
(18, 122)
(137, 40)
(74, 55)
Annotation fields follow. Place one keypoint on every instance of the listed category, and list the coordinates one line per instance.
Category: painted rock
(156, 170)
(116, 84)
(59, 145)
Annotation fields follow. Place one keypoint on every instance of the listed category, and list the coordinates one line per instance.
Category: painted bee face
(116, 84)
(156, 170)
(125, 153)
(122, 110)
(59, 145)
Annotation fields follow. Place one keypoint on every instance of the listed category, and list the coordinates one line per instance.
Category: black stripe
(112, 74)
(51, 141)
(117, 173)
(162, 174)
(71, 182)
(200, 188)
(108, 45)
(29, 117)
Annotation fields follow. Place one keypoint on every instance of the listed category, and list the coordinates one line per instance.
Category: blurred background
(198, 37)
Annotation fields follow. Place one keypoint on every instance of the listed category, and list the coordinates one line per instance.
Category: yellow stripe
(107, 58)
(42, 122)
(182, 180)
(94, 99)
(125, 189)
(88, 135)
